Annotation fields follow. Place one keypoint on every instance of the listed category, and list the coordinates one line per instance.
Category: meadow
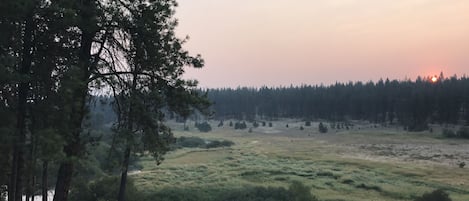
(364, 163)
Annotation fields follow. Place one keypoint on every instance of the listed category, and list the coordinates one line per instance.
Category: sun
(434, 79)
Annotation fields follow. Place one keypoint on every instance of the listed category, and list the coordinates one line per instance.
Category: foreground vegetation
(328, 164)
(54, 55)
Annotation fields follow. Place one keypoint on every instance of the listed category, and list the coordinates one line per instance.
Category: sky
(293, 42)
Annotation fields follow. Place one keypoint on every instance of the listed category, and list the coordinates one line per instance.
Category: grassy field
(363, 163)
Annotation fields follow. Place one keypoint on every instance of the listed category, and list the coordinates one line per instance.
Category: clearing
(366, 162)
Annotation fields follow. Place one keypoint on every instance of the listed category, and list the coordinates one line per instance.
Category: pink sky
(283, 42)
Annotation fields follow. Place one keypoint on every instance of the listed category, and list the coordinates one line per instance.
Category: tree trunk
(45, 166)
(72, 150)
(15, 189)
(125, 169)
(74, 146)
(14, 173)
(64, 179)
(130, 127)
(31, 167)
(32, 188)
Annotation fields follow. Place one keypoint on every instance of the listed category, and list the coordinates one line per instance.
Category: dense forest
(413, 104)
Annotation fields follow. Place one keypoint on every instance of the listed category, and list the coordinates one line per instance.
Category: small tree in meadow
(322, 128)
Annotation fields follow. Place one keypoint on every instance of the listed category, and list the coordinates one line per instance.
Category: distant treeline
(413, 104)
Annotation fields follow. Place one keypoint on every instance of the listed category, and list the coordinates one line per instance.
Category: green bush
(240, 125)
(216, 143)
(296, 192)
(203, 127)
(197, 142)
(449, 133)
(190, 142)
(463, 132)
(437, 195)
(301, 192)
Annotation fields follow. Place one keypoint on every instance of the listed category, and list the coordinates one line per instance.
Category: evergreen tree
(322, 128)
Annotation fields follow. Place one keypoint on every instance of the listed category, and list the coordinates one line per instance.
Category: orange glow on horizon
(434, 79)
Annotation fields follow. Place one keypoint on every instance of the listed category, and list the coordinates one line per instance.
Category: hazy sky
(283, 42)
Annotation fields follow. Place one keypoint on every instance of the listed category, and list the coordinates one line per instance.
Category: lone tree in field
(322, 128)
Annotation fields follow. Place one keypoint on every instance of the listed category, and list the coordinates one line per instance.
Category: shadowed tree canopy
(54, 54)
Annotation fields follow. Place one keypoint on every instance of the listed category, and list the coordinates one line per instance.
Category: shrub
(461, 164)
(301, 128)
(255, 124)
(296, 192)
(270, 124)
(190, 142)
(227, 143)
(449, 133)
(437, 195)
(104, 188)
(216, 143)
(240, 125)
(463, 132)
(196, 142)
(220, 124)
(308, 123)
(213, 144)
(203, 127)
(263, 123)
(301, 192)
